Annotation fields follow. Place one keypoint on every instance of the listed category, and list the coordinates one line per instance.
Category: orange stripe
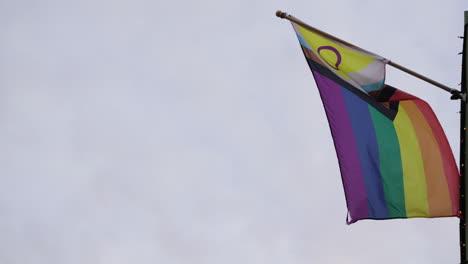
(450, 166)
(438, 195)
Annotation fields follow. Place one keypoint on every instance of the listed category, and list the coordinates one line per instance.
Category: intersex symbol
(337, 53)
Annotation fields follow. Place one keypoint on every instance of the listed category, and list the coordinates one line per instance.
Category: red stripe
(450, 168)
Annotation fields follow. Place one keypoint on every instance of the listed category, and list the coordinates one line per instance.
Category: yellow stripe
(351, 61)
(414, 179)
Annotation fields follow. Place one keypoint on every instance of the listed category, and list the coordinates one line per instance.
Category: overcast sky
(193, 132)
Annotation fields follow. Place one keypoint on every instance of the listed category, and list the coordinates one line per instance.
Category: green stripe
(390, 164)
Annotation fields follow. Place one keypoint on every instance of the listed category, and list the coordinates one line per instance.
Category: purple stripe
(345, 145)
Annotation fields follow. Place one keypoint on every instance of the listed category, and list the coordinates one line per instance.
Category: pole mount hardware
(457, 95)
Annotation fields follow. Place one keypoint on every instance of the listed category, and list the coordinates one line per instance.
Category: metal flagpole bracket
(457, 95)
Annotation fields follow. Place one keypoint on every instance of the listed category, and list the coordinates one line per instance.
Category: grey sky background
(192, 131)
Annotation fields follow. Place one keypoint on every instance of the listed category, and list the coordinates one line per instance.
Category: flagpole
(463, 147)
(456, 94)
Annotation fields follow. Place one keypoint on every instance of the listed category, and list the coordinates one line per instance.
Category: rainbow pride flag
(394, 157)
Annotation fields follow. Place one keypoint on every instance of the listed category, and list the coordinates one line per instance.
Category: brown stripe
(311, 55)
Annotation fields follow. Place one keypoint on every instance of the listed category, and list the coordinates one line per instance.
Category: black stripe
(386, 92)
(394, 105)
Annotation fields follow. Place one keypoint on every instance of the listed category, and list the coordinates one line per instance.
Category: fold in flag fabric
(394, 157)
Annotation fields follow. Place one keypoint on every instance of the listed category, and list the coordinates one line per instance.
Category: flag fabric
(394, 157)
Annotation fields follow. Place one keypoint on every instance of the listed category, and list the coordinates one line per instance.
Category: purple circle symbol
(337, 53)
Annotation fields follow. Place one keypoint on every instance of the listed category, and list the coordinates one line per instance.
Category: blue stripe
(366, 141)
(373, 87)
(303, 41)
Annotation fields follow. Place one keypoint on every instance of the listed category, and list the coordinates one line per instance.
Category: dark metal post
(463, 147)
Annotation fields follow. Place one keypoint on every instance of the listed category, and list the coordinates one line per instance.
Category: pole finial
(281, 14)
